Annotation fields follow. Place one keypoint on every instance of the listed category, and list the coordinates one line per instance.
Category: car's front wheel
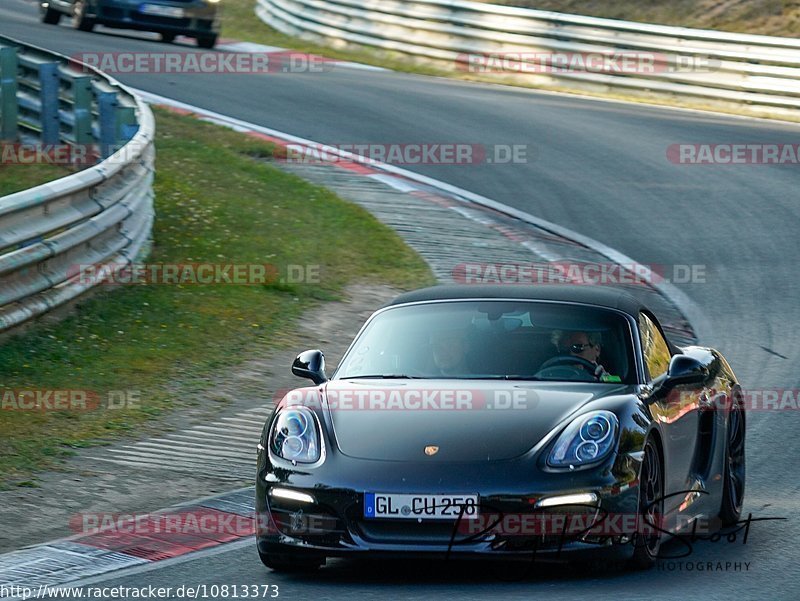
(647, 540)
(50, 16)
(79, 19)
(734, 470)
(207, 41)
(280, 562)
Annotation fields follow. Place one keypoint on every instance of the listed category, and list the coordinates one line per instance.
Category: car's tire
(734, 468)
(280, 562)
(167, 38)
(50, 16)
(651, 504)
(207, 41)
(79, 19)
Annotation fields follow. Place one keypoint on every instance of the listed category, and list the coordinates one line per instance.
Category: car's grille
(110, 12)
(432, 533)
(157, 20)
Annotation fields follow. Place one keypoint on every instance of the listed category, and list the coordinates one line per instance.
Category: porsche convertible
(508, 422)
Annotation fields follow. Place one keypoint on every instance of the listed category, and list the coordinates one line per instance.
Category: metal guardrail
(755, 73)
(101, 214)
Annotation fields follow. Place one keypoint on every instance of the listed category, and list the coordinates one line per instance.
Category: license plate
(161, 11)
(430, 507)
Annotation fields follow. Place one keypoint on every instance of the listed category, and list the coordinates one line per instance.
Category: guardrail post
(49, 80)
(82, 110)
(126, 123)
(107, 104)
(9, 107)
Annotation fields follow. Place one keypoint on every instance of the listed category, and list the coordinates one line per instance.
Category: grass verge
(216, 203)
(767, 17)
(239, 22)
(15, 178)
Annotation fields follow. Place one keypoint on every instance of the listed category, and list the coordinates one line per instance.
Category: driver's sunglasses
(579, 348)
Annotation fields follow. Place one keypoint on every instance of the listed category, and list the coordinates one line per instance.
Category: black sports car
(498, 421)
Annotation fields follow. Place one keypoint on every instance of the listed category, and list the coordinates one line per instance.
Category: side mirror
(311, 365)
(684, 369)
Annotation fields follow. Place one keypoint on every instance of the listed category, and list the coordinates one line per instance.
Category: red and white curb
(130, 541)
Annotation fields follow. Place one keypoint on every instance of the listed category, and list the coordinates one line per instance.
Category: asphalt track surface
(601, 169)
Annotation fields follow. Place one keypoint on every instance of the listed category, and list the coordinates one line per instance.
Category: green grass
(240, 22)
(15, 178)
(216, 202)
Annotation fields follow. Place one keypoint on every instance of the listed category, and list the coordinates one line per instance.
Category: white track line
(677, 297)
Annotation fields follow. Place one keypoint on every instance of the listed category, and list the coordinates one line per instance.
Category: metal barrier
(102, 214)
(754, 73)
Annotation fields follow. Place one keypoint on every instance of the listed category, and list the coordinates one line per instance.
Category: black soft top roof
(601, 296)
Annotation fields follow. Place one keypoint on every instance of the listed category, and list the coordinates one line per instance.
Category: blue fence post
(126, 123)
(107, 105)
(82, 110)
(49, 80)
(9, 105)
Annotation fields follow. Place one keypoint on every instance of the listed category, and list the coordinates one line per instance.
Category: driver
(587, 347)
(449, 348)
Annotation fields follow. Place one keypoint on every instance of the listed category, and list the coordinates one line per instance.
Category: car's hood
(467, 420)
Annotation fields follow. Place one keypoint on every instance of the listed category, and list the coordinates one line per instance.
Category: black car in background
(199, 19)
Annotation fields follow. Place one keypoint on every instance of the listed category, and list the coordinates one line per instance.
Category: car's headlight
(295, 436)
(588, 439)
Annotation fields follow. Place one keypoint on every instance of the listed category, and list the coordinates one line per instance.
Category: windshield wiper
(508, 377)
(383, 377)
(493, 377)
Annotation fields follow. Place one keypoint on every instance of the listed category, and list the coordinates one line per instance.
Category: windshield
(494, 340)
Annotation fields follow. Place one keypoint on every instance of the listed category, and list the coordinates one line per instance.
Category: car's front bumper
(199, 18)
(333, 525)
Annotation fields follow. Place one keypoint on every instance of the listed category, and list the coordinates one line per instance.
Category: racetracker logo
(439, 153)
(409, 399)
(590, 524)
(47, 154)
(621, 62)
(579, 273)
(757, 399)
(46, 400)
(734, 154)
(194, 274)
(202, 63)
(200, 522)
